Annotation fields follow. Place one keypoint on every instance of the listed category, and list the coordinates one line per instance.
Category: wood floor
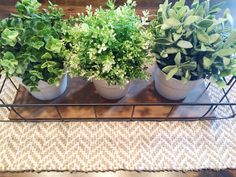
(124, 174)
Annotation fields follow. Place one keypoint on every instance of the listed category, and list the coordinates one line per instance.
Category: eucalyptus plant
(32, 43)
(110, 44)
(192, 43)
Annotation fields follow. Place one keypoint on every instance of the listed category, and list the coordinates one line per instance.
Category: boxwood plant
(31, 43)
(110, 44)
(192, 43)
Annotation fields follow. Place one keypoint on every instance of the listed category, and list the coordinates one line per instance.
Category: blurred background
(73, 7)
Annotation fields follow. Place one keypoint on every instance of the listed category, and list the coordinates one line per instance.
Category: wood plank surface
(80, 91)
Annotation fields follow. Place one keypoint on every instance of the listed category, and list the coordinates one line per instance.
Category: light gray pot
(173, 89)
(46, 91)
(110, 91)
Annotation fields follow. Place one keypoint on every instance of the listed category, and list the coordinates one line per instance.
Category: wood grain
(79, 92)
(205, 173)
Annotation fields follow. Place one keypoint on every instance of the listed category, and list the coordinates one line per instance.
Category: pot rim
(111, 86)
(63, 76)
(177, 80)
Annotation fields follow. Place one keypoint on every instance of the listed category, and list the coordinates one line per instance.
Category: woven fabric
(110, 146)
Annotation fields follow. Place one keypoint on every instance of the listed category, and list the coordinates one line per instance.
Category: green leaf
(200, 11)
(207, 62)
(231, 39)
(172, 50)
(176, 36)
(185, 44)
(203, 47)
(216, 23)
(226, 73)
(33, 78)
(36, 74)
(226, 61)
(203, 36)
(8, 56)
(187, 75)
(32, 58)
(10, 36)
(165, 27)
(221, 83)
(214, 37)
(44, 65)
(217, 5)
(226, 52)
(206, 23)
(46, 56)
(182, 12)
(195, 4)
(179, 3)
(206, 6)
(178, 59)
(229, 17)
(172, 73)
(168, 68)
(37, 44)
(214, 11)
(163, 41)
(172, 13)
(164, 54)
(191, 19)
(50, 65)
(9, 63)
(188, 34)
(180, 30)
(54, 45)
(189, 65)
(172, 22)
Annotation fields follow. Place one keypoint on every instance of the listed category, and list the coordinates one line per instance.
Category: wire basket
(81, 102)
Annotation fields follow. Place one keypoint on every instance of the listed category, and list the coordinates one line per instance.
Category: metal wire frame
(206, 116)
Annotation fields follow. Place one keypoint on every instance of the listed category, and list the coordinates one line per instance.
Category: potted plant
(32, 48)
(191, 44)
(110, 47)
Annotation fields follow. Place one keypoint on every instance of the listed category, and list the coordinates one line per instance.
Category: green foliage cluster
(113, 44)
(32, 43)
(192, 43)
(110, 44)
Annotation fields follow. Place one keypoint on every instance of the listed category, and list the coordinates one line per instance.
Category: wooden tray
(80, 92)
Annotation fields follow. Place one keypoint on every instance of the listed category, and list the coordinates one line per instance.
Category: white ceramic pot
(173, 89)
(110, 91)
(46, 91)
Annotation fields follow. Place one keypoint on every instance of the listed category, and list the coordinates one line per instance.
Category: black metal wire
(114, 119)
(59, 114)
(132, 113)
(226, 97)
(18, 114)
(14, 85)
(118, 104)
(225, 94)
(173, 105)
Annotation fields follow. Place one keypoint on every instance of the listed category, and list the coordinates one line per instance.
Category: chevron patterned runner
(110, 146)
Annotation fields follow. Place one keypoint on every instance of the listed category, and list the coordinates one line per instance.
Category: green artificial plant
(193, 43)
(110, 44)
(32, 45)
